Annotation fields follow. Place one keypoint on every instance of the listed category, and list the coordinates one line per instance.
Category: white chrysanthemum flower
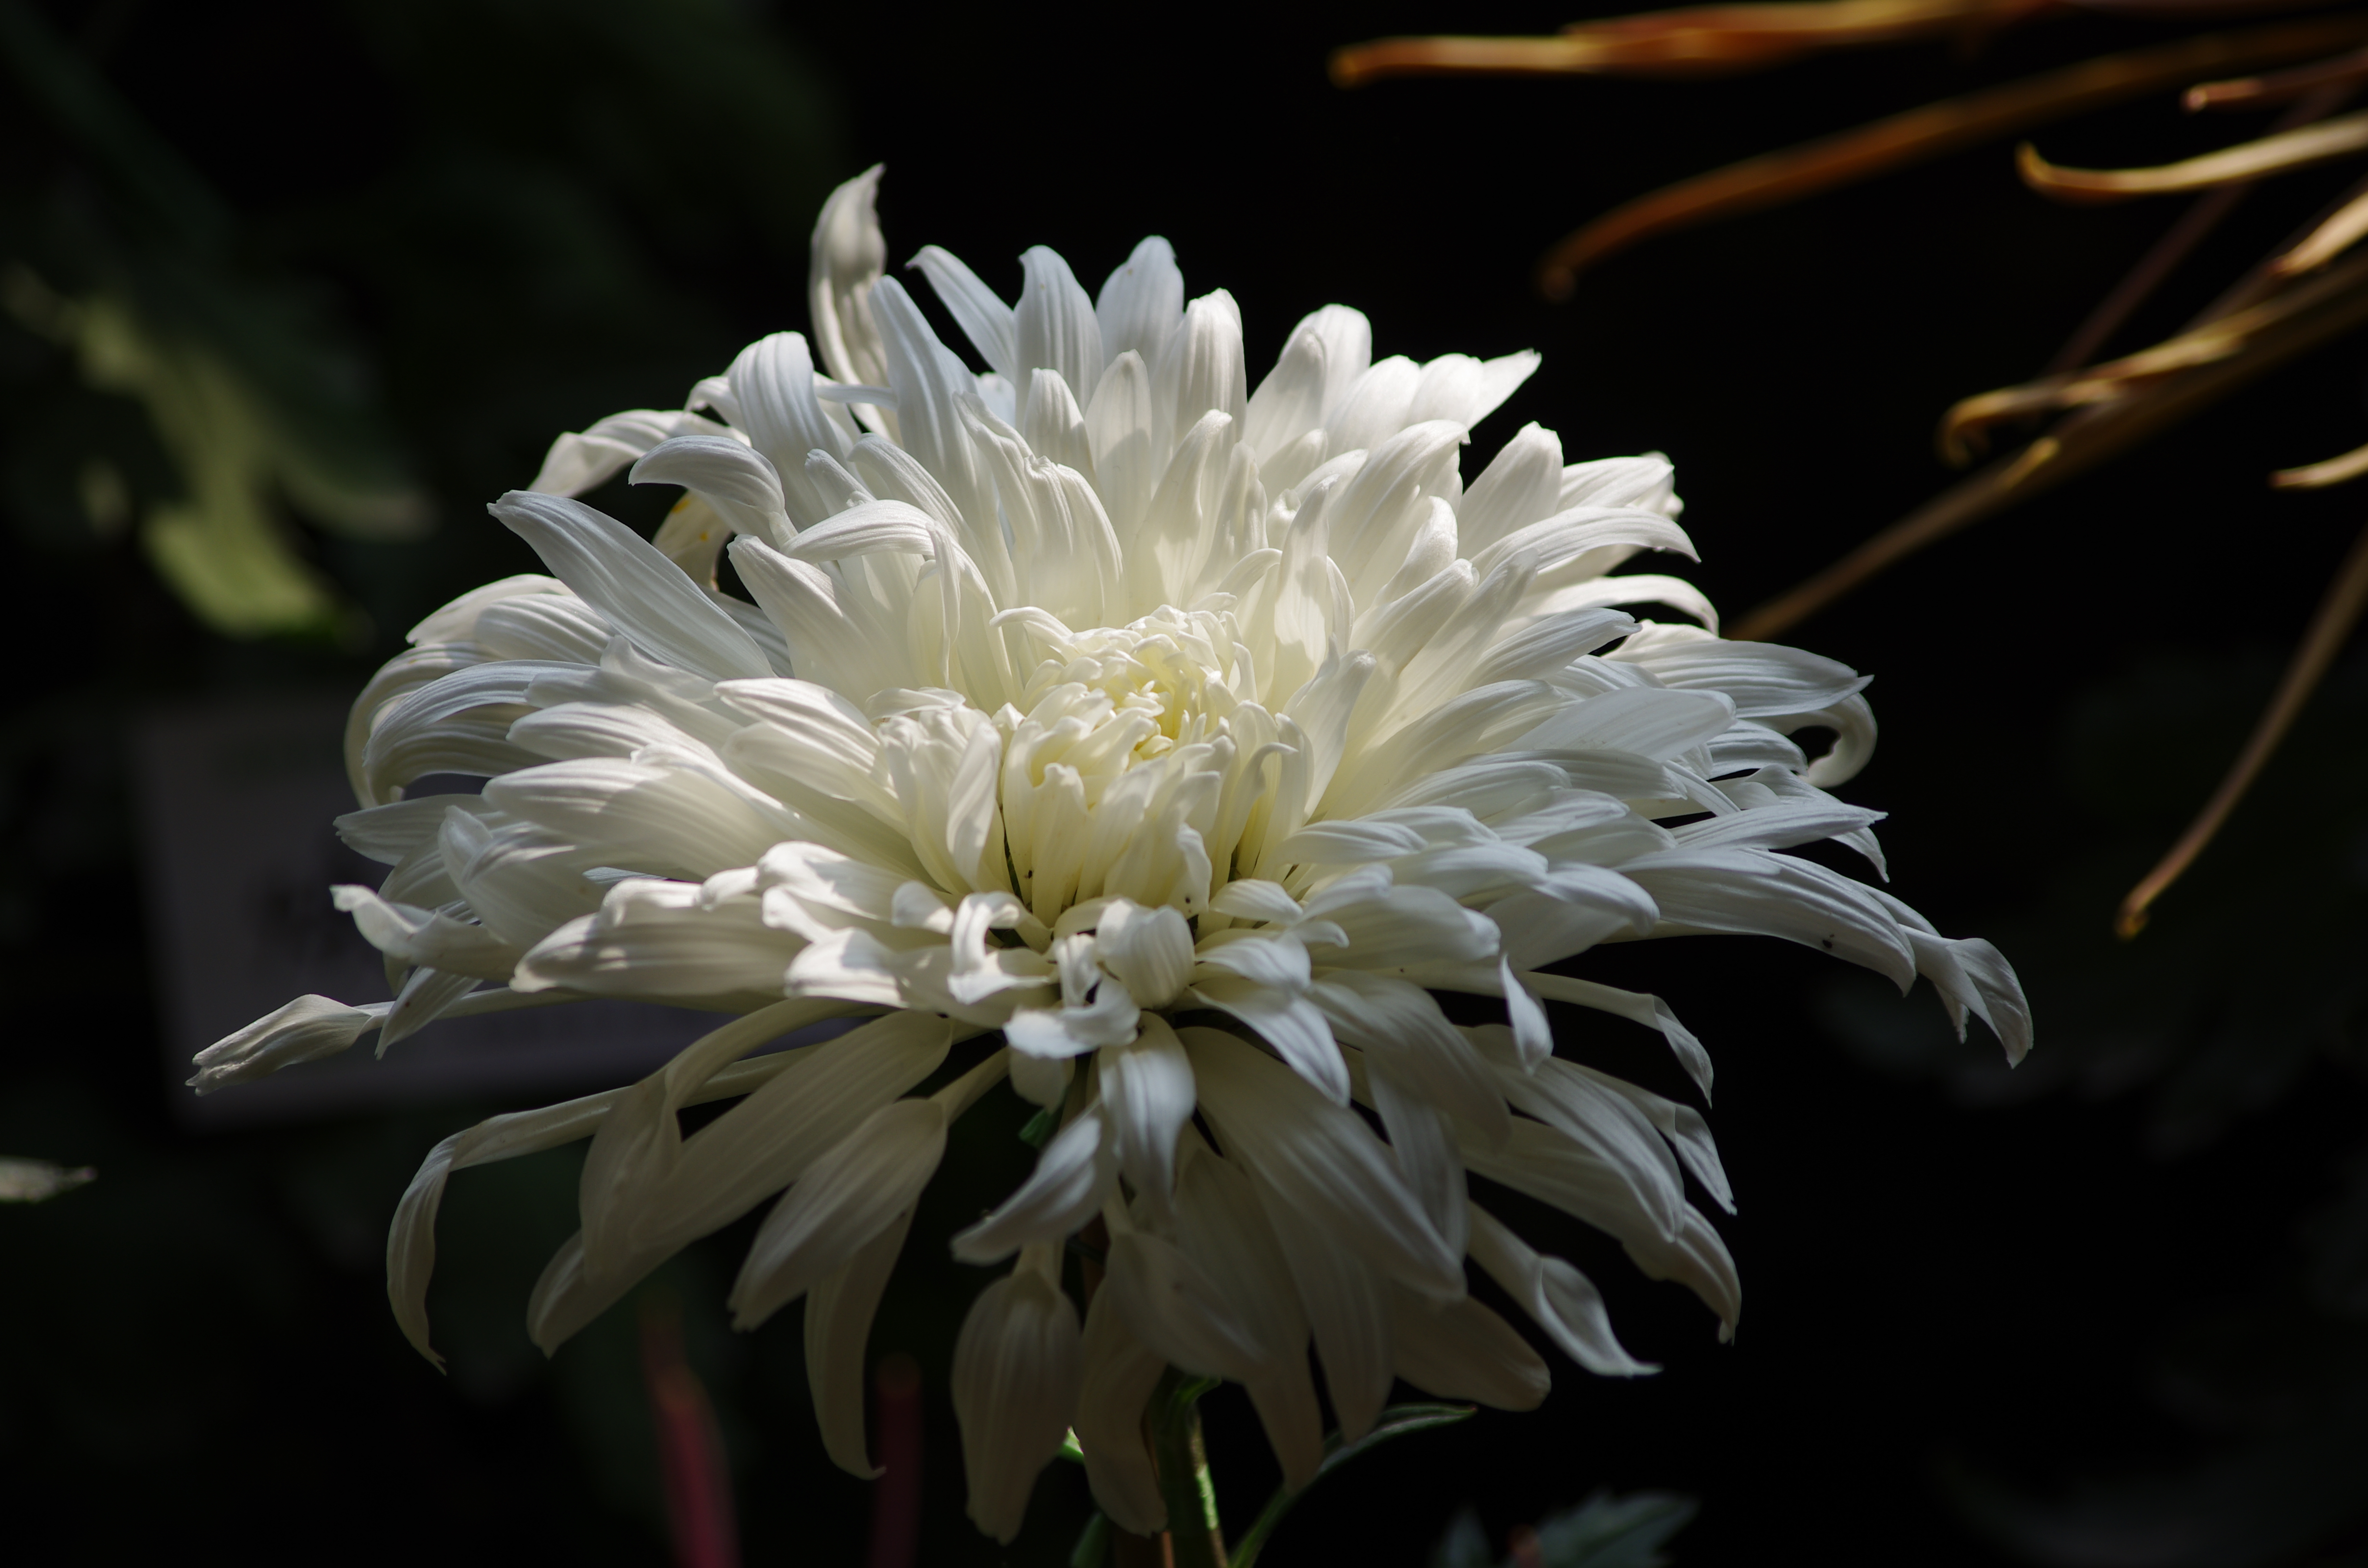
(1188, 739)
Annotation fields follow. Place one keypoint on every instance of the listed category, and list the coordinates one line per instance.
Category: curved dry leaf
(2338, 233)
(2251, 92)
(1697, 40)
(2331, 305)
(1925, 134)
(2275, 154)
(2320, 475)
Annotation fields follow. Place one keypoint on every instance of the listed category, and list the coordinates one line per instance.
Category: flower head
(1181, 741)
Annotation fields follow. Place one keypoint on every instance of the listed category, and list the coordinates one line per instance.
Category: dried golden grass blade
(2327, 242)
(1928, 132)
(2320, 475)
(2084, 441)
(1963, 428)
(2203, 215)
(2336, 138)
(1698, 40)
(2161, 259)
(2337, 613)
(2251, 92)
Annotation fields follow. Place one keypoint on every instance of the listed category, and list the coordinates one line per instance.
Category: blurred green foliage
(275, 395)
(1604, 1531)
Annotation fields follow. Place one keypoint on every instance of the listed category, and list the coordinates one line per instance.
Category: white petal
(302, 1030)
(1636, 588)
(1270, 958)
(1610, 1129)
(1201, 368)
(1462, 1351)
(849, 254)
(684, 1188)
(1548, 642)
(1779, 825)
(1293, 1025)
(1420, 1137)
(741, 484)
(1018, 1367)
(1619, 481)
(846, 1198)
(1522, 484)
(1649, 1011)
(1351, 843)
(662, 820)
(1060, 1032)
(1148, 1096)
(1585, 536)
(1120, 1374)
(1569, 911)
(1222, 1226)
(984, 319)
(1150, 950)
(1458, 387)
(1289, 401)
(1320, 1160)
(639, 591)
(1173, 1307)
(837, 1330)
(1853, 722)
(1141, 303)
(1549, 1167)
(1754, 891)
(1377, 513)
(1645, 720)
(1761, 678)
(876, 528)
(581, 461)
(1971, 976)
(426, 936)
(411, 1241)
(1558, 1298)
(1061, 1196)
(1247, 899)
(1347, 339)
(1120, 421)
(425, 996)
(645, 1192)
(1344, 1305)
(1056, 329)
(1374, 406)
(1384, 1014)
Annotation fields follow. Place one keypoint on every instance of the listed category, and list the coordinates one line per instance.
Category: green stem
(1195, 1537)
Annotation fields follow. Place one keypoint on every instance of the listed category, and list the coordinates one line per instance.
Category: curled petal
(1017, 1370)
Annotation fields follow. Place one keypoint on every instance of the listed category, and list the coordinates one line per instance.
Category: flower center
(1123, 777)
(1161, 680)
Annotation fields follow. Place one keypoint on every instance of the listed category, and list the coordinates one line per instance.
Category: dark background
(519, 216)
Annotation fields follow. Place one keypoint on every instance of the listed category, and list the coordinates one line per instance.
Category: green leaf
(1395, 1422)
(1041, 1127)
(1603, 1532)
(1093, 1546)
(1614, 1532)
